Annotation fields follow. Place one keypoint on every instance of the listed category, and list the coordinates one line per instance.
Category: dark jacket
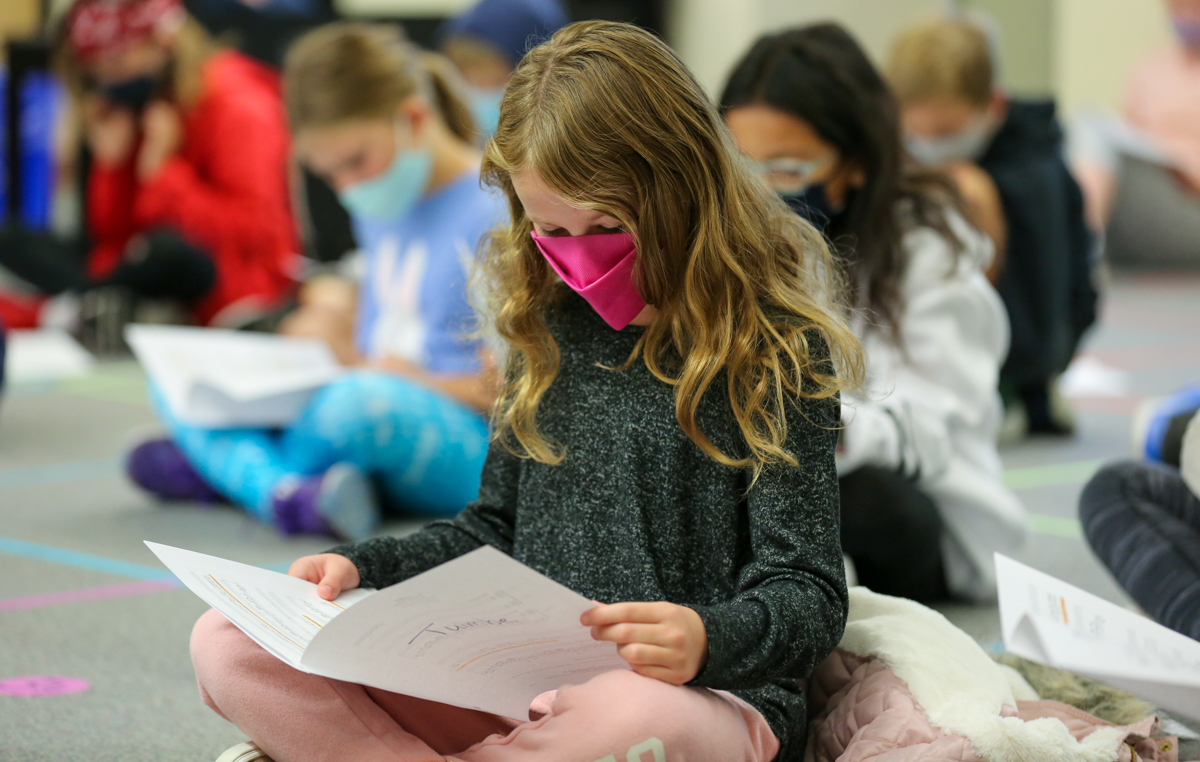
(1046, 282)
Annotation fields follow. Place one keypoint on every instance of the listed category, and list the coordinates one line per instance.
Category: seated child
(383, 124)
(488, 40)
(1140, 168)
(956, 116)
(664, 442)
(923, 504)
(187, 191)
(1142, 518)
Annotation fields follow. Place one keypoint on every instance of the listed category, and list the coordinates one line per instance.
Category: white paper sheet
(44, 355)
(216, 378)
(482, 631)
(280, 613)
(1051, 622)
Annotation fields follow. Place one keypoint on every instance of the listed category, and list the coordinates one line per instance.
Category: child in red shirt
(187, 198)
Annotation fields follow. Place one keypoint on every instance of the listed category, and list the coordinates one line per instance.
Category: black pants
(1143, 523)
(892, 531)
(159, 264)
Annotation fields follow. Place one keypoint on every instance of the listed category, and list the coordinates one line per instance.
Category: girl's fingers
(646, 655)
(331, 573)
(331, 584)
(328, 588)
(646, 613)
(626, 632)
(339, 574)
(305, 569)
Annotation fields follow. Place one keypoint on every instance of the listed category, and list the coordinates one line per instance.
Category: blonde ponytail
(449, 96)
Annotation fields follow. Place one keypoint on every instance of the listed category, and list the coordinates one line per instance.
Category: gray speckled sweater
(637, 512)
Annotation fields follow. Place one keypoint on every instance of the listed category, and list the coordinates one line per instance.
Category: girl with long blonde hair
(663, 443)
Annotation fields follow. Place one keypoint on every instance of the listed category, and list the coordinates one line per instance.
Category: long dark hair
(820, 74)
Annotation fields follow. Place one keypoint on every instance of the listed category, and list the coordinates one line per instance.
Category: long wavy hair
(820, 74)
(610, 119)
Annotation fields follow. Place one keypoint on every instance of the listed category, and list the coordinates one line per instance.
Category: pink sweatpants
(616, 717)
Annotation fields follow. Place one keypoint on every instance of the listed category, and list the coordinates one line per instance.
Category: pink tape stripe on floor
(121, 590)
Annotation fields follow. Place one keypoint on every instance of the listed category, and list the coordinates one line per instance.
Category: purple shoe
(159, 467)
(339, 503)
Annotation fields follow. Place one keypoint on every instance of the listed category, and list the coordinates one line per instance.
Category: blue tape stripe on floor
(81, 560)
(59, 473)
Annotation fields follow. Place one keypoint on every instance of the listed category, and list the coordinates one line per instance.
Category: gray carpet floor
(81, 597)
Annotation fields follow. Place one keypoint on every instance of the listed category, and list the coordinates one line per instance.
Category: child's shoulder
(933, 256)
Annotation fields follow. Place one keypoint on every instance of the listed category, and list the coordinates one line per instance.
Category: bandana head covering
(96, 27)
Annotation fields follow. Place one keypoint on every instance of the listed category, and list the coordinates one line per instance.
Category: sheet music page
(1049, 621)
(482, 631)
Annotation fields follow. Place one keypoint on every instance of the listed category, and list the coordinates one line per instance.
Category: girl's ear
(417, 112)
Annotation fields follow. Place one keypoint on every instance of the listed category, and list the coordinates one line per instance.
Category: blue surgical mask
(395, 192)
(969, 145)
(485, 107)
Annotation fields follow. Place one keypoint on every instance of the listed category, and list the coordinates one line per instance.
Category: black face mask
(133, 94)
(813, 204)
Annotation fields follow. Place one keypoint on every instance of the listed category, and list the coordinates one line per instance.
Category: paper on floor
(1051, 622)
(482, 631)
(44, 355)
(221, 379)
(1088, 377)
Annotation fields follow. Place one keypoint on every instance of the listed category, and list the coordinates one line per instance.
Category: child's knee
(634, 708)
(1107, 488)
(216, 645)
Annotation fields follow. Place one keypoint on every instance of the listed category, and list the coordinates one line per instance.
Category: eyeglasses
(789, 176)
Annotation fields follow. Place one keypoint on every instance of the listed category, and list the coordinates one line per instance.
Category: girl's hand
(329, 323)
(330, 572)
(660, 640)
(162, 135)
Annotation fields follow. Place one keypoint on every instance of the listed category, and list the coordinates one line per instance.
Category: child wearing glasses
(922, 503)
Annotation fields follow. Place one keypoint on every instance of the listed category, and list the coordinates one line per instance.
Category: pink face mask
(600, 269)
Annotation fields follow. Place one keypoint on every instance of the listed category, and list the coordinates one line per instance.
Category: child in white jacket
(923, 503)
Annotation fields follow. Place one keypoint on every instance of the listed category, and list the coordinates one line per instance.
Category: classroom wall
(1078, 51)
(19, 18)
(1025, 29)
(1096, 42)
(710, 35)
(406, 8)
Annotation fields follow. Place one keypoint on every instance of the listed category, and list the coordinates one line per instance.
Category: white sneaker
(244, 752)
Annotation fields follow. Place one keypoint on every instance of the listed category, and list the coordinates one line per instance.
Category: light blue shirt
(412, 300)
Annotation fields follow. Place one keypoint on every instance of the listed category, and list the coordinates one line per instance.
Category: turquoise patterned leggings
(423, 451)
